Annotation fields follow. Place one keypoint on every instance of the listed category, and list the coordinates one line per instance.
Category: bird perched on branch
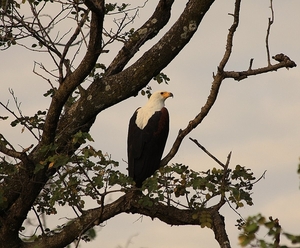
(147, 136)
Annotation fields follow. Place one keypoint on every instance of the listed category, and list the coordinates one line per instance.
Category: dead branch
(207, 152)
(270, 22)
(284, 62)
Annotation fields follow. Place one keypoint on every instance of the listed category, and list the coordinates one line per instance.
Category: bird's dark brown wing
(145, 146)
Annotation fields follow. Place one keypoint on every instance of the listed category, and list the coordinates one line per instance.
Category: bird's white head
(155, 103)
(157, 99)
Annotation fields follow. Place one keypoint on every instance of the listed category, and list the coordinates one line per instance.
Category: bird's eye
(161, 93)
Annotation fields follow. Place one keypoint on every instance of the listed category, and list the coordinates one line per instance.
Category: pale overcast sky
(257, 118)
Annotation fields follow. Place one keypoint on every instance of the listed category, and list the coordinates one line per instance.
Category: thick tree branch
(220, 230)
(129, 203)
(147, 31)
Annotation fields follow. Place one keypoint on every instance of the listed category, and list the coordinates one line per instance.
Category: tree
(62, 168)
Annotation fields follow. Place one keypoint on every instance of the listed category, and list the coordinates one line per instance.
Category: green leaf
(252, 228)
(195, 216)
(38, 167)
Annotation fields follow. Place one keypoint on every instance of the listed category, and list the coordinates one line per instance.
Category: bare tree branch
(207, 152)
(284, 62)
(24, 123)
(147, 31)
(270, 22)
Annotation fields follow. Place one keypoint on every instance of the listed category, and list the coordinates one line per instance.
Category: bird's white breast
(143, 116)
(155, 103)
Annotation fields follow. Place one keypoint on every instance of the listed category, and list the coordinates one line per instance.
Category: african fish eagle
(147, 136)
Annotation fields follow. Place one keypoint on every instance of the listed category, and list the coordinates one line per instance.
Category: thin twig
(77, 31)
(251, 63)
(270, 22)
(40, 75)
(39, 220)
(234, 210)
(233, 28)
(262, 176)
(20, 112)
(207, 152)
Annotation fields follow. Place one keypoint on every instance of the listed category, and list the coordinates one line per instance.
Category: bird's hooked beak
(167, 94)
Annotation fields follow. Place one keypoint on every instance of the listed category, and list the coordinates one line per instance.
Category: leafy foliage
(180, 186)
(252, 226)
(88, 174)
(32, 122)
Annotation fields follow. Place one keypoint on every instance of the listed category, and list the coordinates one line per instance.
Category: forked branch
(283, 62)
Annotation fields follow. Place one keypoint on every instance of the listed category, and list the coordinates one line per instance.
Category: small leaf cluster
(161, 78)
(32, 122)
(50, 92)
(7, 38)
(147, 91)
(111, 7)
(240, 186)
(94, 72)
(205, 219)
(81, 137)
(250, 228)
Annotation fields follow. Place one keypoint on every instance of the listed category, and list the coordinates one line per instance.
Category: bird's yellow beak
(167, 94)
